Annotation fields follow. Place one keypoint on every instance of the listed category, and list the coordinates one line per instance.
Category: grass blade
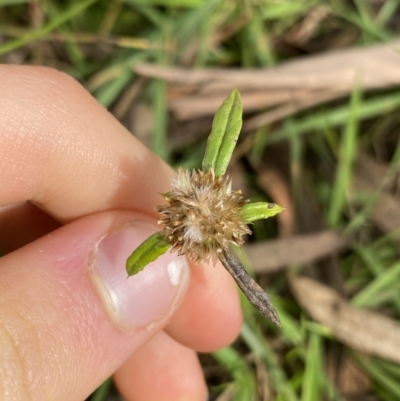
(53, 24)
(379, 375)
(311, 390)
(377, 289)
(374, 107)
(262, 350)
(347, 156)
(159, 142)
(232, 361)
(108, 93)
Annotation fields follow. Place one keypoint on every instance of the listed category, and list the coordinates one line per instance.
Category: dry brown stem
(254, 293)
(287, 88)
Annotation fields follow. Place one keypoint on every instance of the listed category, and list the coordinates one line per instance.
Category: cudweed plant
(203, 216)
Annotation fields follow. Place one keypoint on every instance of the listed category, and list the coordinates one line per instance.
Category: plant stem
(254, 293)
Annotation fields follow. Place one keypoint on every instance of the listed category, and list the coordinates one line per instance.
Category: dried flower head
(202, 217)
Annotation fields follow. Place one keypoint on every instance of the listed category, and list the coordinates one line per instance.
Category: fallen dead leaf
(275, 255)
(363, 330)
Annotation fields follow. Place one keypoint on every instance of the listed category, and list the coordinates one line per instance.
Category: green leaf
(224, 134)
(260, 210)
(146, 253)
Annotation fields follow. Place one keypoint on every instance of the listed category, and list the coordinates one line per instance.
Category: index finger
(45, 158)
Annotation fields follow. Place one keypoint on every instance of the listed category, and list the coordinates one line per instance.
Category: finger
(81, 160)
(21, 224)
(65, 152)
(68, 314)
(211, 306)
(162, 370)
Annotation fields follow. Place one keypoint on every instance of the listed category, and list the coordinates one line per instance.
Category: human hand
(69, 317)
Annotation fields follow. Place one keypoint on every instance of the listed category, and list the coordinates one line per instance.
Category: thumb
(69, 317)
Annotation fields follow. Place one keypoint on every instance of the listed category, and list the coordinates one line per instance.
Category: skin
(68, 172)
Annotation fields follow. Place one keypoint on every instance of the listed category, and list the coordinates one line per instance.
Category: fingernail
(149, 296)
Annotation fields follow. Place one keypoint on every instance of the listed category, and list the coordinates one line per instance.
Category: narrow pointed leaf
(146, 253)
(259, 210)
(224, 134)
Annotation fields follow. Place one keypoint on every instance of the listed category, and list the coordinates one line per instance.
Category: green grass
(346, 157)
(315, 150)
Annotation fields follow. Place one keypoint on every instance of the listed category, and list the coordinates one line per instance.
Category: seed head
(202, 217)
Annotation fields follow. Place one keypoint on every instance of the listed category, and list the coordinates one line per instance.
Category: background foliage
(320, 138)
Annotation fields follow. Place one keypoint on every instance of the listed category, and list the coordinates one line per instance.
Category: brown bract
(202, 217)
